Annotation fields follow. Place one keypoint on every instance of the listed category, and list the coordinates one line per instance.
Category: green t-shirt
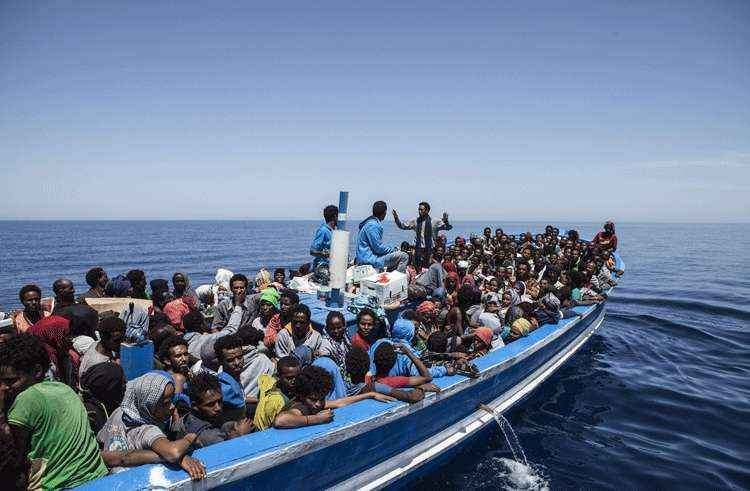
(61, 436)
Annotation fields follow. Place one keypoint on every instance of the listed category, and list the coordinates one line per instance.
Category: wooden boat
(371, 445)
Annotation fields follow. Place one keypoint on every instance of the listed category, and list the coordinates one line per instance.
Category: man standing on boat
(426, 230)
(370, 247)
(320, 248)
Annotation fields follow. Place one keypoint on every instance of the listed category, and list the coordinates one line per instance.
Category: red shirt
(609, 243)
(394, 382)
(360, 342)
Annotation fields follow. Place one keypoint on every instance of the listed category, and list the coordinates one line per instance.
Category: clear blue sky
(503, 110)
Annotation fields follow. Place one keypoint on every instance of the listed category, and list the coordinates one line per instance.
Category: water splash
(517, 476)
(510, 436)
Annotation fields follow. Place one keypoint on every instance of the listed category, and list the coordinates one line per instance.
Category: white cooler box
(387, 287)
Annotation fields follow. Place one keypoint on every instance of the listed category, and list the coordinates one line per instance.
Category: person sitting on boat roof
(65, 294)
(430, 282)
(370, 247)
(96, 279)
(138, 428)
(241, 299)
(357, 380)
(320, 247)
(287, 301)
(111, 334)
(206, 418)
(275, 392)
(606, 239)
(297, 333)
(425, 230)
(31, 299)
(336, 343)
(385, 358)
(48, 421)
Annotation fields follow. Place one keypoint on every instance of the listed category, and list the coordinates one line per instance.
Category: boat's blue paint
(328, 465)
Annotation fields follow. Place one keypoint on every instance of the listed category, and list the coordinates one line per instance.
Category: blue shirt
(370, 247)
(321, 243)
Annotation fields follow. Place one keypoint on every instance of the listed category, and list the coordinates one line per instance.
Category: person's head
(205, 397)
(173, 353)
(23, 363)
(313, 385)
(287, 300)
(31, 298)
(287, 370)
(229, 353)
(494, 285)
(522, 271)
(137, 280)
(194, 321)
(451, 282)
(148, 400)
(335, 325)
(179, 282)
(426, 312)
(384, 358)
(106, 383)
(250, 336)
(268, 303)
(526, 253)
(484, 336)
(64, 290)
(438, 342)
(300, 320)
(491, 303)
(112, 332)
(96, 278)
(160, 332)
(423, 209)
(487, 232)
(331, 215)
(238, 284)
(279, 275)
(83, 319)
(357, 364)
(544, 286)
(379, 209)
(7, 332)
(366, 319)
(609, 228)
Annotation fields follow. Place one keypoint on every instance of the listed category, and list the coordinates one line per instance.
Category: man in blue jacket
(370, 247)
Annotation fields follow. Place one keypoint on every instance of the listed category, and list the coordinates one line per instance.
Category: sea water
(659, 397)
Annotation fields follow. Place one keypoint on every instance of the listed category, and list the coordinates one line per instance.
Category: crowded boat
(268, 350)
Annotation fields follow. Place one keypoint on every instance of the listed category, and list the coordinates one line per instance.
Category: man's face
(179, 358)
(544, 285)
(65, 290)
(209, 406)
(13, 382)
(238, 287)
(300, 324)
(179, 282)
(265, 308)
(113, 339)
(279, 277)
(232, 361)
(32, 302)
(487, 233)
(422, 210)
(288, 379)
(507, 299)
(316, 401)
(103, 280)
(336, 328)
(366, 323)
(285, 304)
(523, 268)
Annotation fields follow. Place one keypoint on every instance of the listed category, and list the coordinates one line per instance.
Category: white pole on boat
(339, 254)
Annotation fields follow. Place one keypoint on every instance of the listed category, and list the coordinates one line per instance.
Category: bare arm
(421, 368)
(293, 418)
(345, 401)
(172, 452)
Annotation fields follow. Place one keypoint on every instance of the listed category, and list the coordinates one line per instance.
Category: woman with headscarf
(181, 287)
(54, 332)
(268, 306)
(140, 423)
(135, 317)
(102, 390)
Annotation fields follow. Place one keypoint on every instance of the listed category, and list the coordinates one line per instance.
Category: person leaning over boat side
(31, 297)
(385, 357)
(320, 247)
(370, 247)
(357, 381)
(111, 334)
(206, 417)
(137, 428)
(240, 298)
(297, 333)
(65, 294)
(425, 230)
(48, 421)
(96, 279)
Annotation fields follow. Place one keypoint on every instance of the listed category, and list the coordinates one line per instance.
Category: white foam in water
(521, 476)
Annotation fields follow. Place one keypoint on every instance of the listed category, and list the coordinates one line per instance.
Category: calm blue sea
(658, 398)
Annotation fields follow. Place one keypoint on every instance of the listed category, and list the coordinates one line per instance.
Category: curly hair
(437, 342)
(357, 363)
(201, 383)
(301, 308)
(170, 343)
(29, 288)
(238, 277)
(25, 353)
(250, 336)
(384, 358)
(313, 381)
(366, 311)
(93, 275)
(226, 342)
